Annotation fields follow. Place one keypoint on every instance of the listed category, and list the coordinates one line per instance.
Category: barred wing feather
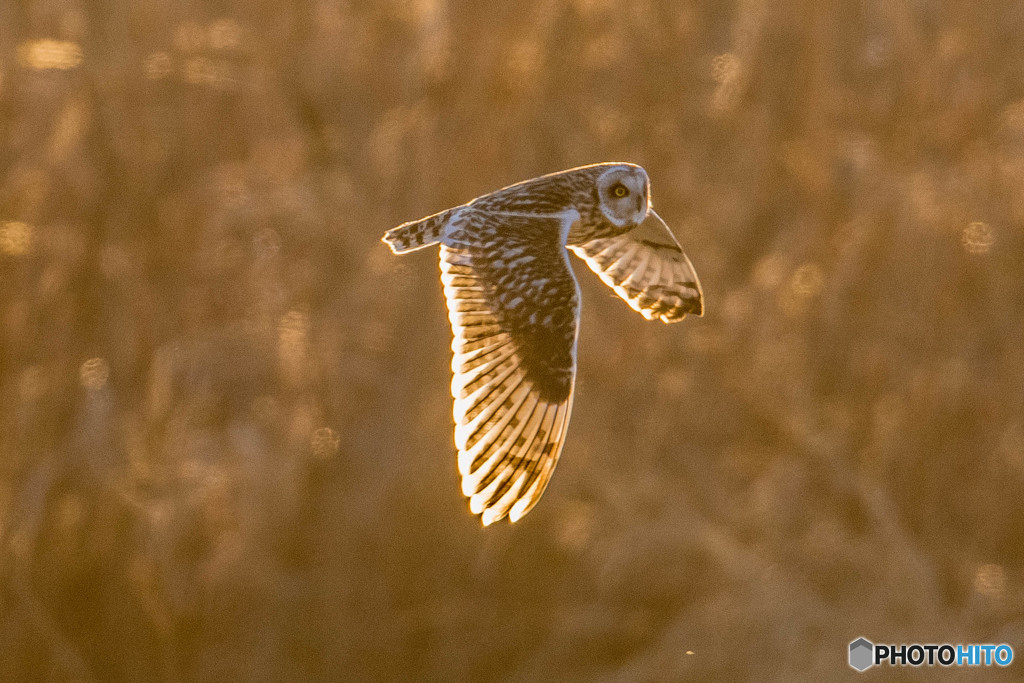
(648, 269)
(513, 306)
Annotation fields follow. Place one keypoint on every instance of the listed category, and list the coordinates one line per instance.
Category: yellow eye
(620, 191)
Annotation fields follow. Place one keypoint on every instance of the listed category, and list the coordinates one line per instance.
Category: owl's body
(514, 308)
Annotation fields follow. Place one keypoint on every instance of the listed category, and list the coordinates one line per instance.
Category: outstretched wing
(648, 269)
(513, 305)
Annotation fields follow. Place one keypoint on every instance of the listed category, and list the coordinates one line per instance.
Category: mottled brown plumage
(514, 309)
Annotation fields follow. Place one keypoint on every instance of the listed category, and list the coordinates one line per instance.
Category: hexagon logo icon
(862, 654)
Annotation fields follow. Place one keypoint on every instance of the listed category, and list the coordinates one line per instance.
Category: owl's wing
(648, 269)
(513, 305)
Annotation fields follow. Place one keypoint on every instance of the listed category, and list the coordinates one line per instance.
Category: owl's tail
(417, 234)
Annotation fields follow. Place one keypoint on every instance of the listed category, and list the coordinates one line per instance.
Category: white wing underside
(508, 433)
(648, 269)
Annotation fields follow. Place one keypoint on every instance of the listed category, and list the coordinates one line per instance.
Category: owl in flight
(513, 303)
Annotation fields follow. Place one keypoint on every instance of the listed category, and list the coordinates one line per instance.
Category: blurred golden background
(225, 432)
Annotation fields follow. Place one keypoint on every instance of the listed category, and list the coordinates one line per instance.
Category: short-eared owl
(514, 308)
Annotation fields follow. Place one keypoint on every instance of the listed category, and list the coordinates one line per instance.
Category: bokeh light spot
(158, 66)
(15, 238)
(93, 374)
(225, 34)
(325, 443)
(49, 54)
(978, 238)
(990, 581)
(725, 67)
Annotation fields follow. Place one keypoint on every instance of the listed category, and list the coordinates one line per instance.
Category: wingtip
(698, 307)
(681, 311)
(391, 245)
(517, 511)
(489, 517)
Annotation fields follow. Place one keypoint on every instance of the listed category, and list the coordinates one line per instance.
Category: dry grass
(224, 437)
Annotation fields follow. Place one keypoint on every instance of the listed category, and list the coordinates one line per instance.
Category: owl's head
(624, 192)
